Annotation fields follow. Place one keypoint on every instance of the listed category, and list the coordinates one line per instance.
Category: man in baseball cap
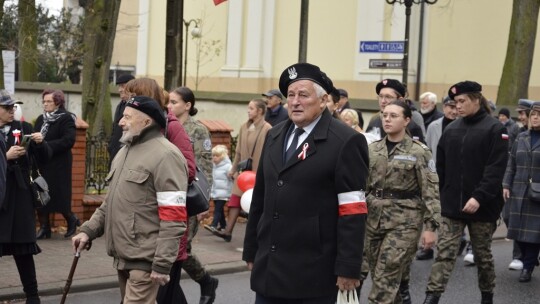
(276, 112)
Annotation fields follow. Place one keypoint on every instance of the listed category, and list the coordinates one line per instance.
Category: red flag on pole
(217, 2)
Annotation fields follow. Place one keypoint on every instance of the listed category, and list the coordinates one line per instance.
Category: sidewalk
(95, 271)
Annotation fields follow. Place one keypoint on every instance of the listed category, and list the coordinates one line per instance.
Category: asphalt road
(462, 288)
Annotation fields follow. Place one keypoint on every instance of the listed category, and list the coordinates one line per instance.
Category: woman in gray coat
(524, 219)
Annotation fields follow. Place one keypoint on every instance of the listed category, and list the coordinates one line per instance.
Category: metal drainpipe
(420, 42)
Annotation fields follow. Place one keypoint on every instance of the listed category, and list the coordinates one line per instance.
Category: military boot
(404, 292)
(487, 298)
(432, 298)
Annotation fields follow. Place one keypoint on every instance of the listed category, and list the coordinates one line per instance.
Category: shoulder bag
(39, 188)
(198, 194)
(534, 188)
(247, 164)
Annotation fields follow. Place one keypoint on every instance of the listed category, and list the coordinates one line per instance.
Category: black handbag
(40, 191)
(534, 191)
(198, 194)
(245, 165)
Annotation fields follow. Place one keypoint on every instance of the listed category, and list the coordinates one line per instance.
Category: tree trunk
(2, 85)
(28, 62)
(99, 34)
(173, 44)
(514, 82)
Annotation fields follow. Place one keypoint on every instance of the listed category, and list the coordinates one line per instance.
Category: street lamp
(196, 33)
(408, 5)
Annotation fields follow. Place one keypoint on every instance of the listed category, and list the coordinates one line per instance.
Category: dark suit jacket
(307, 217)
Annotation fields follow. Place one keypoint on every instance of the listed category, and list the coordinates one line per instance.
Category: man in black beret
(511, 126)
(387, 91)
(308, 209)
(144, 215)
(114, 143)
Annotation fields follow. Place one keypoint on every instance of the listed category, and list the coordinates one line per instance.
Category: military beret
(393, 84)
(149, 107)
(524, 105)
(125, 78)
(464, 87)
(304, 71)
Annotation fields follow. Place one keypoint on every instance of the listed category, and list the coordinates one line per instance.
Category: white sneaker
(469, 258)
(515, 265)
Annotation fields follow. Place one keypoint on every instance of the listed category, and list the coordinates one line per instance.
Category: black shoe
(432, 298)
(33, 300)
(404, 293)
(424, 254)
(487, 298)
(226, 237)
(73, 222)
(525, 275)
(208, 290)
(44, 233)
(462, 245)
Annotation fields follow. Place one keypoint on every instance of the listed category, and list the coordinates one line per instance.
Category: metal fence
(97, 164)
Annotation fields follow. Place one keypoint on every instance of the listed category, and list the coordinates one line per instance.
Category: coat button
(273, 248)
(276, 215)
(280, 183)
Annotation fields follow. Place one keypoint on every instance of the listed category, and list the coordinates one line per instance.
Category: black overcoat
(523, 214)
(17, 216)
(471, 159)
(300, 234)
(57, 170)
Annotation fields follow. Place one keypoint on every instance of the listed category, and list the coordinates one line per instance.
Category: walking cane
(72, 272)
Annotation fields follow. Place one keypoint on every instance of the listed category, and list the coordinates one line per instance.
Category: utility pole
(304, 18)
(173, 44)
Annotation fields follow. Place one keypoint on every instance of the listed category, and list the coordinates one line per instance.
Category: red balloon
(246, 180)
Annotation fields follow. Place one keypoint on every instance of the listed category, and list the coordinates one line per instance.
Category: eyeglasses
(392, 116)
(9, 108)
(386, 97)
(47, 101)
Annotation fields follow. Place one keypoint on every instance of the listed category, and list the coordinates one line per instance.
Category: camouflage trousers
(389, 253)
(192, 266)
(450, 233)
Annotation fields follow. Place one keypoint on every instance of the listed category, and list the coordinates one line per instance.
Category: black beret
(464, 87)
(149, 107)
(125, 78)
(524, 105)
(304, 71)
(393, 84)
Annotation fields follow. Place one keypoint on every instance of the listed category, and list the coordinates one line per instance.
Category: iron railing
(97, 164)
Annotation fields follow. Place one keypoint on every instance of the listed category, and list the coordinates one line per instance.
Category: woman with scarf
(56, 127)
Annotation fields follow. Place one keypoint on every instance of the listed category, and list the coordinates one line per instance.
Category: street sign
(386, 64)
(393, 47)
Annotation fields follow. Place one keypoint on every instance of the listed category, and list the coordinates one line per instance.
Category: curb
(107, 282)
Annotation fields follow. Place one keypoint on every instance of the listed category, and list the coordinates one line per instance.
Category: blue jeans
(219, 216)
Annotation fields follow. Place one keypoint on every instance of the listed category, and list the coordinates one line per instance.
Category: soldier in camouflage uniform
(403, 195)
(182, 104)
(471, 160)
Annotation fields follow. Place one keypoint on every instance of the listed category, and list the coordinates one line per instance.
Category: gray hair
(430, 96)
(319, 90)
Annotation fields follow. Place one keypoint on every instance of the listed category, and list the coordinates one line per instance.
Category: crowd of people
(406, 186)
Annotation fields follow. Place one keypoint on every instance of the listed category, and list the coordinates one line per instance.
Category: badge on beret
(385, 81)
(453, 89)
(431, 165)
(207, 144)
(292, 73)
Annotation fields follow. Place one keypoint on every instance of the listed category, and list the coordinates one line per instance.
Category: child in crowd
(221, 187)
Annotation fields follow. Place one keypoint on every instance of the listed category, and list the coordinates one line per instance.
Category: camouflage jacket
(408, 174)
(202, 145)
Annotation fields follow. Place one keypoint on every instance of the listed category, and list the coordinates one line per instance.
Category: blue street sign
(394, 47)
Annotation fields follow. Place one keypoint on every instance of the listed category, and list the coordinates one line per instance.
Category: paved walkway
(95, 270)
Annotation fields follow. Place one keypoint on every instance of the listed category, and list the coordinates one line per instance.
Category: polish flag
(217, 2)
